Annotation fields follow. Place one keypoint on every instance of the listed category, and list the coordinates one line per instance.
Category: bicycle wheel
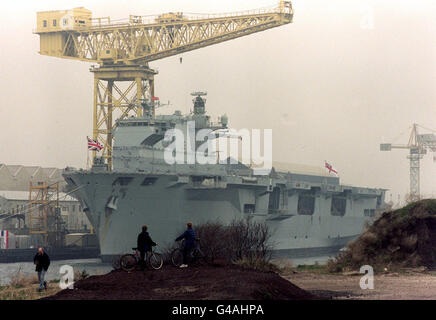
(128, 262)
(116, 263)
(177, 257)
(155, 261)
(199, 257)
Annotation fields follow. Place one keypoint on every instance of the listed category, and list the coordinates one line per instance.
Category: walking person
(189, 244)
(144, 245)
(42, 262)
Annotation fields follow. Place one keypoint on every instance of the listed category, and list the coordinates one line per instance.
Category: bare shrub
(19, 280)
(211, 236)
(249, 240)
(241, 240)
(80, 275)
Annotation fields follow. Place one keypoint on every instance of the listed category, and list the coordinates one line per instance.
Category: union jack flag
(330, 168)
(94, 145)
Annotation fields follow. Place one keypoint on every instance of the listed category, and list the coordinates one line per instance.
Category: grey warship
(308, 211)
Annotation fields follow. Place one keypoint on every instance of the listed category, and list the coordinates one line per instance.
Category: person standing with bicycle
(144, 245)
(189, 244)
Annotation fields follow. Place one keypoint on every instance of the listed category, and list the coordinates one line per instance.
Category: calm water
(311, 260)
(92, 267)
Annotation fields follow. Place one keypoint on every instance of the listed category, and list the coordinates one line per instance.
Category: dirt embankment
(402, 238)
(218, 282)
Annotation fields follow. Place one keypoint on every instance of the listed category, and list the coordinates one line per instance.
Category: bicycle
(116, 262)
(129, 261)
(195, 255)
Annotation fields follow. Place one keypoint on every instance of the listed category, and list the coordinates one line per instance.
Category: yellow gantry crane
(417, 146)
(123, 81)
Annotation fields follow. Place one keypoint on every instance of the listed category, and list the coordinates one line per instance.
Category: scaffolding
(44, 214)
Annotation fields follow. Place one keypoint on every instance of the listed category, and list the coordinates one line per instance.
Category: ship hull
(118, 211)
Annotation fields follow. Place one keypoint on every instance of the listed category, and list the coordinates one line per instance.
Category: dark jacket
(144, 241)
(42, 261)
(189, 236)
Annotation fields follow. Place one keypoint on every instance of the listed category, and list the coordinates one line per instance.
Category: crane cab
(58, 20)
(49, 23)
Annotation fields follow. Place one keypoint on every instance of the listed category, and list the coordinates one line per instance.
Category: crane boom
(138, 42)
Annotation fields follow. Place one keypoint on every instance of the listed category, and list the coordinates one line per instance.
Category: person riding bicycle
(144, 244)
(189, 244)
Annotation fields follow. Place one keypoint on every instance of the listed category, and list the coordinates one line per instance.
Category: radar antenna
(199, 93)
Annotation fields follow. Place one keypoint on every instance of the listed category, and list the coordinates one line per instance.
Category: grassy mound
(402, 238)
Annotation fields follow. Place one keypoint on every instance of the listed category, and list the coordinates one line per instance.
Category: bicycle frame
(137, 258)
(195, 254)
(147, 254)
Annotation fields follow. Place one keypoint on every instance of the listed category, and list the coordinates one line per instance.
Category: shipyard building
(15, 213)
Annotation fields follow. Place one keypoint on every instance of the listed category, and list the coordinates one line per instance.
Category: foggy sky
(330, 89)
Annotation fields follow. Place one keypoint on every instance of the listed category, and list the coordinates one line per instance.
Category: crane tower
(417, 145)
(123, 79)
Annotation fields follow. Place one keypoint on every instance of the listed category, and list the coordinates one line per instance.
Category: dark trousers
(185, 255)
(142, 258)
